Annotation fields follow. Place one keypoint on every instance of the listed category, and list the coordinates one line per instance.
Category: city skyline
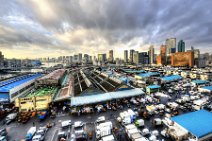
(27, 31)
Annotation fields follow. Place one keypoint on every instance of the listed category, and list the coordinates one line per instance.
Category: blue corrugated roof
(208, 88)
(198, 123)
(148, 74)
(135, 71)
(200, 81)
(153, 86)
(171, 78)
(6, 88)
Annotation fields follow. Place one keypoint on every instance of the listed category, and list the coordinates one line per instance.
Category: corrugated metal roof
(198, 123)
(83, 100)
(171, 78)
(6, 88)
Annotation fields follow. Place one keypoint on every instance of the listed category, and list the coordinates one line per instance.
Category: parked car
(66, 123)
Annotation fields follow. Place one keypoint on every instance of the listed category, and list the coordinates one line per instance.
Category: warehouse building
(15, 87)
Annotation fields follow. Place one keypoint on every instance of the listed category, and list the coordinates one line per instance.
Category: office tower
(170, 46)
(196, 55)
(143, 58)
(126, 56)
(110, 59)
(151, 54)
(80, 57)
(161, 58)
(135, 57)
(181, 46)
(1, 59)
(102, 57)
(131, 55)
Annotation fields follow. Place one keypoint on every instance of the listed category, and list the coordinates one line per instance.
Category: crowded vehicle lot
(125, 111)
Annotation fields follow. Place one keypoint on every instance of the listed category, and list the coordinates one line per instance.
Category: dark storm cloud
(107, 22)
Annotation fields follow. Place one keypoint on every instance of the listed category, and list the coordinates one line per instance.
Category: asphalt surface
(17, 131)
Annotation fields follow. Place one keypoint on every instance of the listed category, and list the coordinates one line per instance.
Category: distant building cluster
(176, 56)
(17, 63)
(171, 54)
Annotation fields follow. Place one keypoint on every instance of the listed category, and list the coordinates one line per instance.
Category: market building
(198, 123)
(15, 87)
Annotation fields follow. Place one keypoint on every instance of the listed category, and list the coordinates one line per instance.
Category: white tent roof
(83, 100)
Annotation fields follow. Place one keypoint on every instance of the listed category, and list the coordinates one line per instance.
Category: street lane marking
(54, 134)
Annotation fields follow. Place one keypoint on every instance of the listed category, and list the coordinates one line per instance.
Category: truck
(139, 123)
(104, 129)
(3, 134)
(79, 130)
(131, 132)
(11, 117)
(30, 133)
(108, 138)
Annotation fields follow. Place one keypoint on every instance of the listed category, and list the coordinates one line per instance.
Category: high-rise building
(143, 58)
(136, 57)
(161, 59)
(170, 44)
(80, 57)
(102, 58)
(196, 55)
(131, 56)
(1, 59)
(110, 59)
(151, 54)
(126, 56)
(181, 46)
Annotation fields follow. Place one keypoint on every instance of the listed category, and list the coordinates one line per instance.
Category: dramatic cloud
(40, 28)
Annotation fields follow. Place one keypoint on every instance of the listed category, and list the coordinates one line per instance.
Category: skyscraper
(1, 59)
(110, 59)
(181, 46)
(170, 45)
(136, 57)
(102, 57)
(151, 54)
(126, 56)
(131, 55)
(80, 57)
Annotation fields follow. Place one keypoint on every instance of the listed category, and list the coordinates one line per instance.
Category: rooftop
(153, 86)
(198, 123)
(16, 82)
(200, 81)
(171, 78)
(208, 88)
(148, 74)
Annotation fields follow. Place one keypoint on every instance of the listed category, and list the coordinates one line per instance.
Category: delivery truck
(30, 133)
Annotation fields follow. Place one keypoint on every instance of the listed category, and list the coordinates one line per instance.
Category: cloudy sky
(41, 28)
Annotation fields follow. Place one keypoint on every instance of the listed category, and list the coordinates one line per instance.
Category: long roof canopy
(91, 99)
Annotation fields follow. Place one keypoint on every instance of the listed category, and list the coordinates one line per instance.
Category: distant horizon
(49, 28)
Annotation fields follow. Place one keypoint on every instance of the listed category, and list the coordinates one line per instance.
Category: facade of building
(196, 55)
(181, 46)
(80, 57)
(131, 56)
(110, 59)
(151, 54)
(1, 59)
(170, 44)
(126, 56)
(102, 58)
(182, 59)
(161, 59)
(143, 58)
(136, 57)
